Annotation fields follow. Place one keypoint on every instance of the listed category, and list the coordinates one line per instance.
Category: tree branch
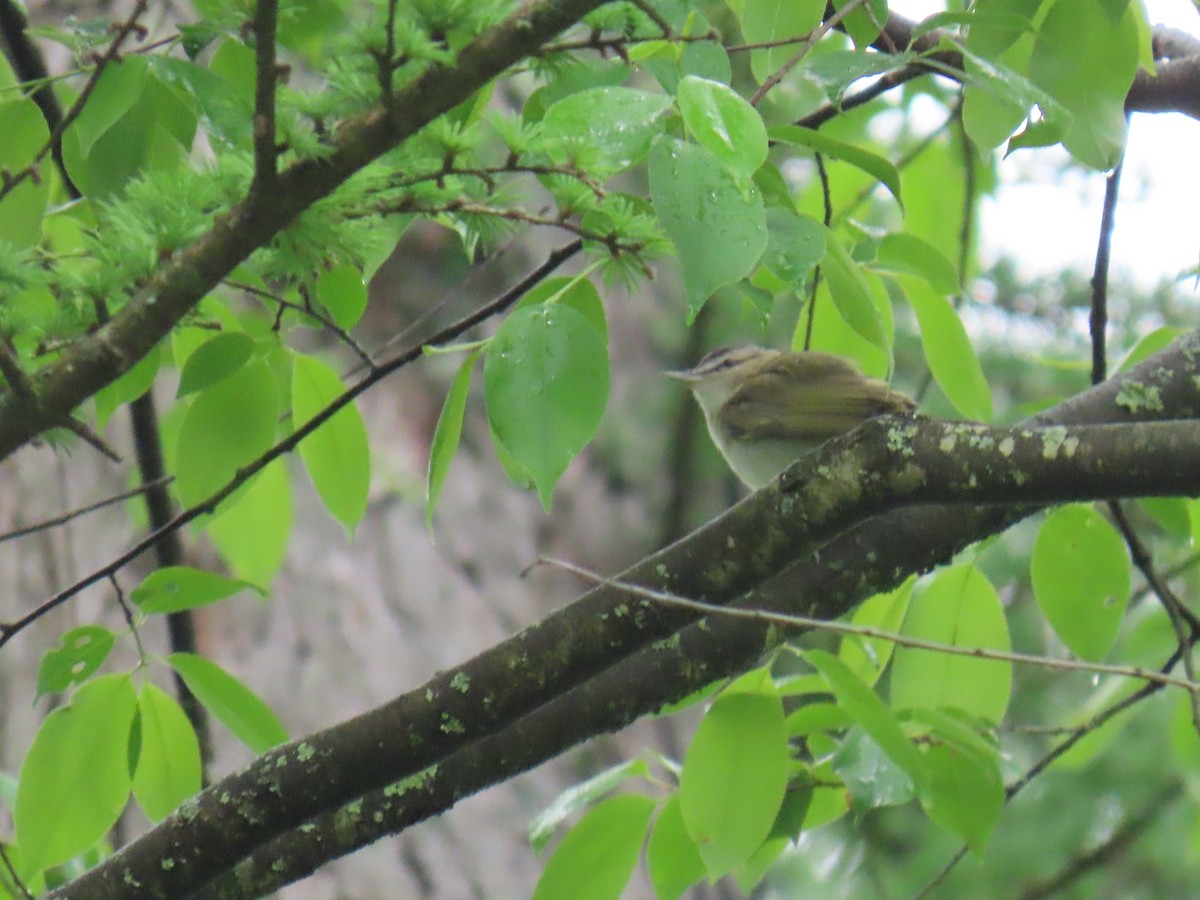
(557, 682)
(1174, 86)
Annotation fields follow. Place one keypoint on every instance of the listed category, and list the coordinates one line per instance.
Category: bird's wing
(832, 398)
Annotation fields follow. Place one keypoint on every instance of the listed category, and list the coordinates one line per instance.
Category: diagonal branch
(548, 687)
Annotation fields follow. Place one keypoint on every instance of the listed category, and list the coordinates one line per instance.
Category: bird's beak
(681, 376)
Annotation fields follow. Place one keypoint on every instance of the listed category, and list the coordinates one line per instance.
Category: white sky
(1050, 221)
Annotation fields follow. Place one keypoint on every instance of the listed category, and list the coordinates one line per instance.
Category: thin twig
(1183, 621)
(66, 517)
(827, 199)
(809, 42)
(89, 436)
(786, 619)
(654, 16)
(311, 311)
(487, 174)
(387, 65)
(11, 369)
(1098, 320)
(12, 874)
(463, 208)
(620, 45)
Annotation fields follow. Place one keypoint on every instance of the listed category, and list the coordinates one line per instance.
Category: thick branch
(1174, 86)
(888, 464)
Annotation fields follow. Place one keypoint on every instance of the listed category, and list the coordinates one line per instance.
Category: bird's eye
(721, 358)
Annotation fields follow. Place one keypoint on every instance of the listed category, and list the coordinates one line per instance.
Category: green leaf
(168, 765)
(872, 777)
(868, 657)
(214, 361)
(581, 796)
(906, 253)
(705, 59)
(852, 293)
(818, 717)
(446, 435)
(80, 652)
(959, 607)
(343, 294)
(1080, 572)
(230, 702)
(1147, 345)
(615, 124)
(74, 781)
(226, 427)
(227, 113)
(1039, 133)
(25, 133)
(337, 455)
(595, 860)
(578, 293)
(795, 244)
(832, 334)
(949, 351)
(176, 588)
(671, 856)
(546, 383)
(722, 122)
(572, 79)
(251, 533)
(965, 794)
(834, 71)
(871, 163)
(767, 21)
(997, 95)
(128, 387)
(747, 877)
(1171, 514)
(1087, 62)
(116, 92)
(718, 229)
(868, 710)
(865, 21)
(734, 777)
(143, 136)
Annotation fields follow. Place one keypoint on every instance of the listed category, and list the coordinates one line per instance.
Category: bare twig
(66, 517)
(487, 174)
(817, 33)
(89, 436)
(310, 310)
(1098, 320)
(12, 874)
(788, 620)
(827, 199)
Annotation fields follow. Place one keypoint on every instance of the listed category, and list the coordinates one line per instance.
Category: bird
(766, 408)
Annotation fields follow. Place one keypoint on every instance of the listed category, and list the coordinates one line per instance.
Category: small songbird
(765, 409)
